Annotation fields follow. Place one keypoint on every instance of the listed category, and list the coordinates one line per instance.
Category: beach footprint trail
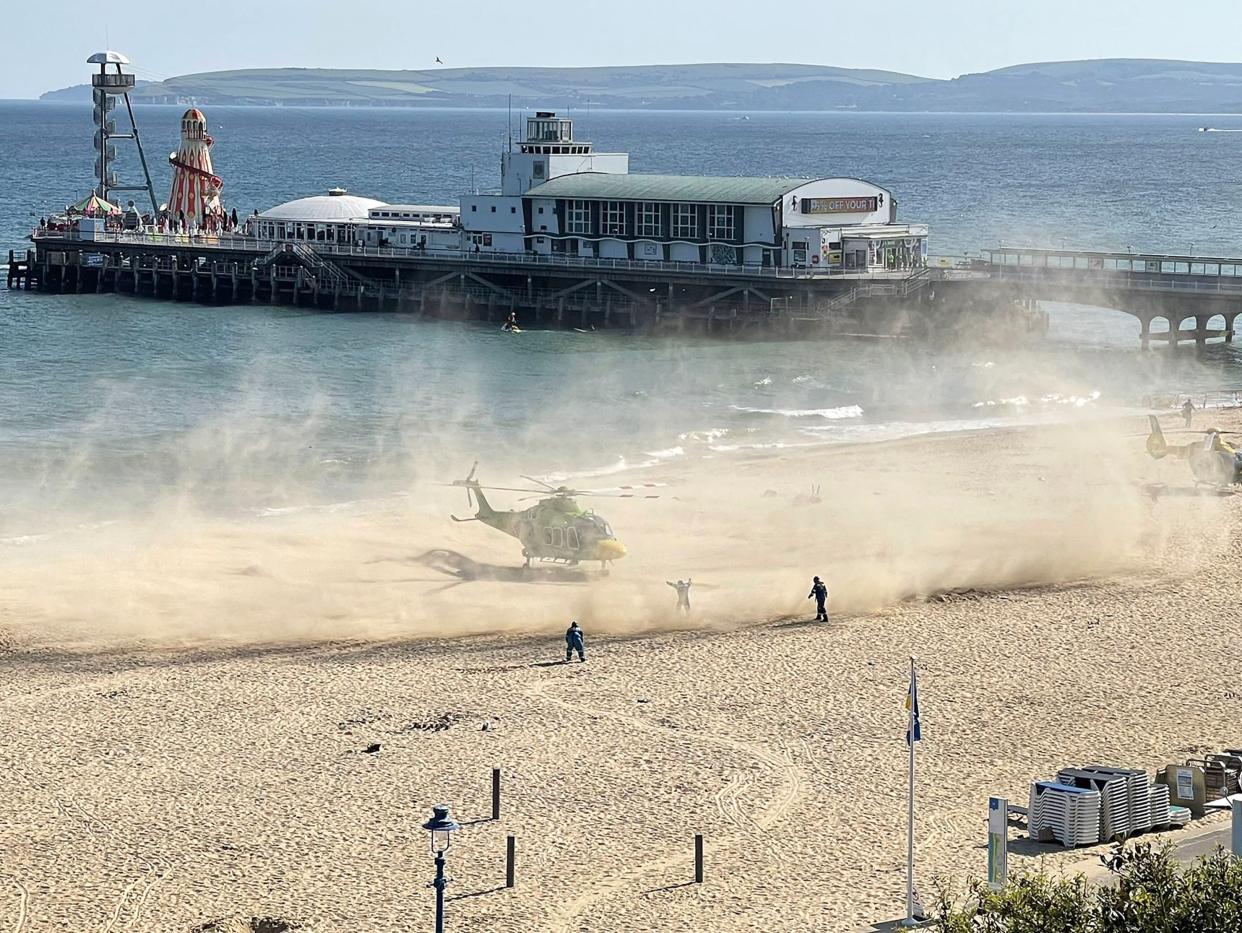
(744, 815)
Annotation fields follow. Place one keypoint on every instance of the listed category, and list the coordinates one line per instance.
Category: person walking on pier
(683, 594)
(820, 592)
(574, 642)
(1188, 412)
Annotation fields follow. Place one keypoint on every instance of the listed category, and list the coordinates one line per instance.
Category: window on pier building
(578, 217)
(685, 222)
(649, 219)
(720, 222)
(612, 220)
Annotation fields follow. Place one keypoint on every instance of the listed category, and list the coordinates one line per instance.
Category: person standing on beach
(573, 642)
(683, 594)
(820, 592)
(1188, 412)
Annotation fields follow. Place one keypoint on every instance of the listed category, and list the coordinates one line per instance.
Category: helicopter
(1213, 460)
(556, 528)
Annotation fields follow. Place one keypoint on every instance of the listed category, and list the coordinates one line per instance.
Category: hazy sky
(45, 45)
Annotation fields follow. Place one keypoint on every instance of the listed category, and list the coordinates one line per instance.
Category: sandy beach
(187, 699)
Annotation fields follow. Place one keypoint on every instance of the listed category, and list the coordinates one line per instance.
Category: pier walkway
(561, 290)
(1148, 286)
(950, 295)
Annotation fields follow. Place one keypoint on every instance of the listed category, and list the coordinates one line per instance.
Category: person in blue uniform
(574, 642)
(820, 593)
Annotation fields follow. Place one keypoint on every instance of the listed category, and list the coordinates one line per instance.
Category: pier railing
(1034, 259)
(324, 248)
(1223, 284)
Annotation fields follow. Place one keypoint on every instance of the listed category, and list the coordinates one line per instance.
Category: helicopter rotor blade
(632, 488)
(474, 485)
(632, 491)
(619, 495)
(539, 482)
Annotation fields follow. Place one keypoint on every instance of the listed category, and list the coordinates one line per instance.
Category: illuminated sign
(838, 205)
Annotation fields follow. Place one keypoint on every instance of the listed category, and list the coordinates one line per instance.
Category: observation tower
(106, 87)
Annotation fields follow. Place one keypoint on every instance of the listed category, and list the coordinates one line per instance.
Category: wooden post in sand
(509, 860)
(698, 858)
(495, 793)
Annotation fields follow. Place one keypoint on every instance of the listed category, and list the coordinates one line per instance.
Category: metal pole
(910, 815)
(1235, 805)
(439, 884)
(698, 858)
(495, 793)
(510, 859)
(142, 157)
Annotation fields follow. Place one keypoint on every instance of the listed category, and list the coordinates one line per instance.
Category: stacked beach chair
(1158, 803)
(1115, 799)
(1138, 794)
(1068, 814)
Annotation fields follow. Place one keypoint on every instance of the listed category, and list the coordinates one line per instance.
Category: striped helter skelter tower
(195, 186)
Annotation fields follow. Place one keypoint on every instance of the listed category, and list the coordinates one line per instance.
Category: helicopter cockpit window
(571, 538)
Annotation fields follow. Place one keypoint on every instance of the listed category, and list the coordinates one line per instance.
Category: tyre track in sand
(23, 904)
(792, 783)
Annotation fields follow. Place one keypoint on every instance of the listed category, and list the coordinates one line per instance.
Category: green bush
(1150, 893)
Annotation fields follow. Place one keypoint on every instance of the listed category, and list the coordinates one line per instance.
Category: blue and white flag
(914, 729)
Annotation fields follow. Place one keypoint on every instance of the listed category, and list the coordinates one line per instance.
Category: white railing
(252, 244)
(1095, 278)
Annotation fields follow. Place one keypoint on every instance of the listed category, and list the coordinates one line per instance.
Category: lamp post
(441, 825)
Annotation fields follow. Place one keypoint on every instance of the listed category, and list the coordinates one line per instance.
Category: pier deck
(549, 290)
(586, 292)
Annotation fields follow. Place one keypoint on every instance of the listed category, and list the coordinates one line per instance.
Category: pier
(553, 291)
(1187, 292)
(1005, 288)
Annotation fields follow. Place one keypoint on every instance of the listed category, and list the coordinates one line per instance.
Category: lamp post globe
(441, 826)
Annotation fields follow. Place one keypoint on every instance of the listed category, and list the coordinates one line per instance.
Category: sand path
(731, 802)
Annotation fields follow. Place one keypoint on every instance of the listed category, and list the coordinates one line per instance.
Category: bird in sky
(438, 62)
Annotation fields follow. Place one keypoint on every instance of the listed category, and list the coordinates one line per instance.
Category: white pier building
(558, 197)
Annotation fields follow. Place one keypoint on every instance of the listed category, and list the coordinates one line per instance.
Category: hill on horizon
(1103, 85)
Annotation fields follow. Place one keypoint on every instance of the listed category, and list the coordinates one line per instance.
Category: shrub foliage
(1150, 893)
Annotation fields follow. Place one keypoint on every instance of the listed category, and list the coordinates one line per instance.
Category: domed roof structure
(336, 205)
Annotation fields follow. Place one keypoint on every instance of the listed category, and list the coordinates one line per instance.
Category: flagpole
(910, 821)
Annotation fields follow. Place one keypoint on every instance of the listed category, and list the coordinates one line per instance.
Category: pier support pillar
(1201, 323)
(1229, 319)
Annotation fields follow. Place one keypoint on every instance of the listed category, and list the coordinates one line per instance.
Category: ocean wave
(667, 454)
(1052, 399)
(772, 445)
(832, 414)
(620, 466)
(707, 436)
(765, 381)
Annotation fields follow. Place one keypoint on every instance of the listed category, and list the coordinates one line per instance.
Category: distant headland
(1095, 86)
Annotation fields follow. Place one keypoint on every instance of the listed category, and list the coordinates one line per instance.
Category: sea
(107, 401)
